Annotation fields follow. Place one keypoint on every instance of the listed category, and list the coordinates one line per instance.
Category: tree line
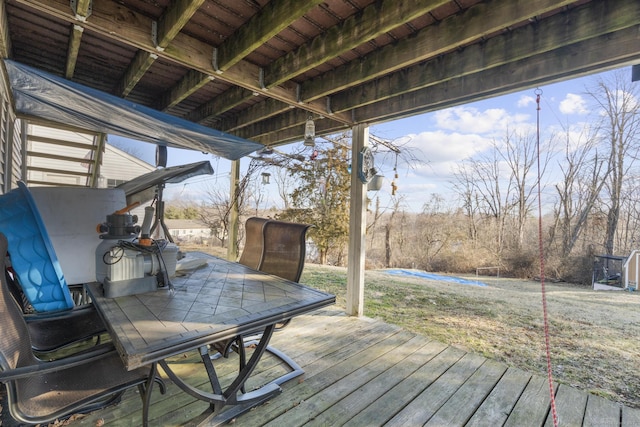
(588, 179)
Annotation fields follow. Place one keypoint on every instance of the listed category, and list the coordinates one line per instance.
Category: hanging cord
(554, 413)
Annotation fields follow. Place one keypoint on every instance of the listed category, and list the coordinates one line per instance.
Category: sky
(439, 140)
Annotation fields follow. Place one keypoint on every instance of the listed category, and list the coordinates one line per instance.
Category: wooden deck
(364, 372)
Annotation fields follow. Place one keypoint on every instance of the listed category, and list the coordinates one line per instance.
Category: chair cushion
(64, 391)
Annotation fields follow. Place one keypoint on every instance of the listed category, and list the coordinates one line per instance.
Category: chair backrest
(15, 345)
(284, 249)
(253, 243)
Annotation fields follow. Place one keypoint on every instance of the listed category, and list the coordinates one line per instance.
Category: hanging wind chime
(394, 186)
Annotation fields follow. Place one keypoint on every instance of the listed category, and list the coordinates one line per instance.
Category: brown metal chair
(253, 242)
(39, 391)
(273, 247)
(284, 249)
(52, 331)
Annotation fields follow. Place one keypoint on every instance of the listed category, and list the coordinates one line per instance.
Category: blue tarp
(433, 276)
(45, 96)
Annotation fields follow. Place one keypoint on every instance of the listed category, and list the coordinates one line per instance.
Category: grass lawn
(594, 335)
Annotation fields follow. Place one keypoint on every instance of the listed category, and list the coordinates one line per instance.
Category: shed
(609, 273)
(632, 271)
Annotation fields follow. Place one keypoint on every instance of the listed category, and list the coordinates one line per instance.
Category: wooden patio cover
(259, 69)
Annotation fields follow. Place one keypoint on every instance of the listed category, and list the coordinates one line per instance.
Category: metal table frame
(222, 301)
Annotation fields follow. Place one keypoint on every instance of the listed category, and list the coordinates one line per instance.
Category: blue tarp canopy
(46, 96)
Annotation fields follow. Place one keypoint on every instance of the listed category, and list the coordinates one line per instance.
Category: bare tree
(388, 229)
(628, 236)
(435, 229)
(216, 208)
(583, 176)
(519, 153)
(618, 102)
(285, 184)
(215, 211)
(464, 185)
(488, 193)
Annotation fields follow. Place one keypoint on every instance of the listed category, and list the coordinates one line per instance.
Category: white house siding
(188, 230)
(119, 166)
(73, 145)
(10, 143)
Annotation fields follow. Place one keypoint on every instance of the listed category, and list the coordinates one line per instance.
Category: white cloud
(469, 119)
(440, 146)
(573, 104)
(525, 101)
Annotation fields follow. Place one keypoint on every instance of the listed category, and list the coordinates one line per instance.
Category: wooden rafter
(167, 28)
(134, 72)
(72, 51)
(174, 19)
(5, 41)
(377, 19)
(392, 80)
(511, 46)
(431, 41)
(225, 102)
(185, 50)
(574, 60)
(271, 20)
(188, 85)
(82, 11)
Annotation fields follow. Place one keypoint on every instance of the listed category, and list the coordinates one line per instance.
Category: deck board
(368, 395)
(427, 403)
(463, 404)
(601, 412)
(498, 405)
(570, 407)
(364, 372)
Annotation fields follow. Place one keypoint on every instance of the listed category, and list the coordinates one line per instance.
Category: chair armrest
(51, 331)
(97, 353)
(59, 316)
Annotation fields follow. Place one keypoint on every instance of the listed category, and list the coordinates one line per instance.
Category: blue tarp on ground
(433, 276)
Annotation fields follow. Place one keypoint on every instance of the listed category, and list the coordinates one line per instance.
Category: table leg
(146, 397)
(231, 395)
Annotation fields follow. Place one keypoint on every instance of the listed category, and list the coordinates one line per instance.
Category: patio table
(215, 303)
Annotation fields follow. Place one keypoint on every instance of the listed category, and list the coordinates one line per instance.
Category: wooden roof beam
(163, 32)
(260, 111)
(274, 17)
(189, 84)
(134, 72)
(290, 119)
(597, 54)
(220, 104)
(271, 20)
(579, 24)
(174, 19)
(5, 40)
(375, 20)
(565, 62)
(481, 19)
(72, 50)
(184, 50)
(82, 11)
(293, 134)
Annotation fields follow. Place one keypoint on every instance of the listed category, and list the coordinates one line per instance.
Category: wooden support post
(234, 215)
(357, 226)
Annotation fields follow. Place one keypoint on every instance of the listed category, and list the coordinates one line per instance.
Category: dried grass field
(594, 335)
